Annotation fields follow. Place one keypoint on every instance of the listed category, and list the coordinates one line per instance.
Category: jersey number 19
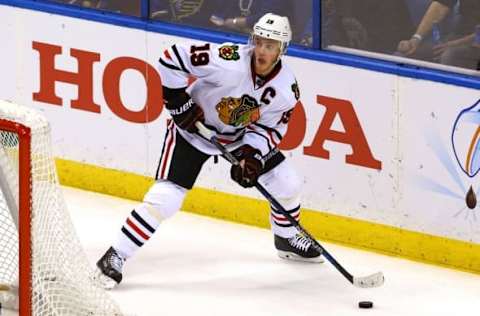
(200, 55)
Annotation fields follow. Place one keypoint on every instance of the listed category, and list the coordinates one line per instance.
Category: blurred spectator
(118, 6)
(82, 3)
(160, 10)
(130, 7)
(476, 44)
(189, 12)
(241, 15)
(374, 25)
(306, 37)
(234, 15)
(302, 22)
(457, 47)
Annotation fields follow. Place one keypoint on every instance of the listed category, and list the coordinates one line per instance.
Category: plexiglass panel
(128, 7)
(237, 16)
(441, 32)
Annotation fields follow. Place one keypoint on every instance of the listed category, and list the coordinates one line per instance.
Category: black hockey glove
(185, 113)
(251, 165)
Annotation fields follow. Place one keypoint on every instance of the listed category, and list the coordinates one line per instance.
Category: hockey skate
(109, 269)
(297, 248)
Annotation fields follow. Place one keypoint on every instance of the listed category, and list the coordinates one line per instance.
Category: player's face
(266, 54)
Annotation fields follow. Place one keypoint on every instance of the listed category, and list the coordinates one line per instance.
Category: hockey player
(245, 94)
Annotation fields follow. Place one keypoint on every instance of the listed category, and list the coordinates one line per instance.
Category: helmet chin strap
(280, 54)
(276, 62)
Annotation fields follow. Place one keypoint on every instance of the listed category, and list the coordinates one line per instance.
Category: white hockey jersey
(239, 106)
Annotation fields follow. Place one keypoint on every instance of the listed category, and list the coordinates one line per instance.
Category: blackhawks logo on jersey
(238, 111)
(229, 52)
(296, 90)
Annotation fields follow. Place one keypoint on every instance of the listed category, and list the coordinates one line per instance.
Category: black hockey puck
(365, 304)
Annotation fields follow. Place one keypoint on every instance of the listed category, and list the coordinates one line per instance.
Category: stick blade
(374, 280)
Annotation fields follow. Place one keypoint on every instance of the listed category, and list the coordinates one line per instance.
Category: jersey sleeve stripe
(167, 54)
(269, 129)
(165, 64)
(179, 58)
(237, 133)
(225, 141)
(271, 138)
(263, 136)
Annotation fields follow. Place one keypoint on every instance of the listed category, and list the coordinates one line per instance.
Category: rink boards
(387, 161)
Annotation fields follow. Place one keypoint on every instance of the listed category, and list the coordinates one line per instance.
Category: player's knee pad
(283, 183)
(163, 199)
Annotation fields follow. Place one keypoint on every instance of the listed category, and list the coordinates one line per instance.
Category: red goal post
(43, 267)
(23, 135)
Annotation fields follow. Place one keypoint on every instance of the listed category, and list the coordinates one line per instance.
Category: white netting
(61, 274)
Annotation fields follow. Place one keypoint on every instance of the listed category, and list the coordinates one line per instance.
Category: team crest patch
(296, 90)
(229, 52)
(238, 111)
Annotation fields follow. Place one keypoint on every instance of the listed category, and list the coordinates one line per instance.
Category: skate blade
(294, 257)
(104, 281)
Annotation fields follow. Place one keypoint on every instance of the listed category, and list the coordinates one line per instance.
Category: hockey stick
(369, 281)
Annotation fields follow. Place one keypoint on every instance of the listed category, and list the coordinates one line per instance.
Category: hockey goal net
(43, 268)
